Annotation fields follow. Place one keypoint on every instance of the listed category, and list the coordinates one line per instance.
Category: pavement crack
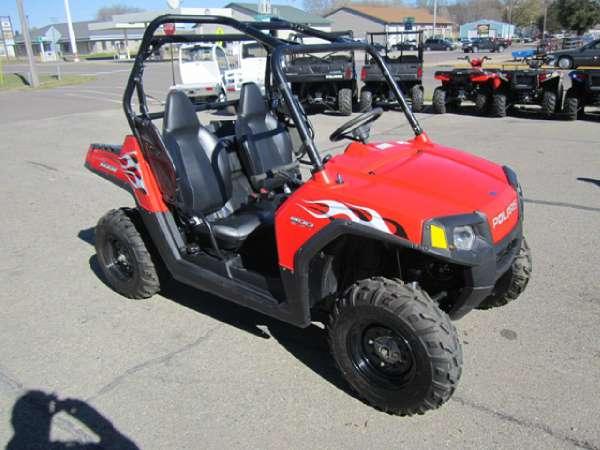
(527, 424)
(115, 382)
(562, 204)
(42, 165)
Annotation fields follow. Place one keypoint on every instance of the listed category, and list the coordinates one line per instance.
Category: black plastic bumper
(494, 261)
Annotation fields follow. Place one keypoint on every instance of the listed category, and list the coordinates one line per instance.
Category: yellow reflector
(438, 237)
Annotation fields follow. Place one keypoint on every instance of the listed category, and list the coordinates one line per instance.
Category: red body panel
(128, 168)
(396, 187)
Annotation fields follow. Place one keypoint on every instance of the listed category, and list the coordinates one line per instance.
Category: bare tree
(106, 12)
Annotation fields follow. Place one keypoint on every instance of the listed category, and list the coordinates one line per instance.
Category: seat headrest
(179, 112)
(251, 100)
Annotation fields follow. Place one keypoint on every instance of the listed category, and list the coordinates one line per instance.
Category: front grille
(525, 80)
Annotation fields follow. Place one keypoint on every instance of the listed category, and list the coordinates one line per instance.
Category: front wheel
(481, 103)
(124, 257)
(439, 100)
(565, 62)
(513, 283)
(395, 347)
(417, 98)
(345, 101)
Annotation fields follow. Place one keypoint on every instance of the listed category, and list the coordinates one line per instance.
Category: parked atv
(326, 81)
(475, 84)
(584, 91)
(391, 239)
(403, 55)
(532, 86)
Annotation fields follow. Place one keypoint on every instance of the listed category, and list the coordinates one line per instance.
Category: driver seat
(266, 150)
(204, 175)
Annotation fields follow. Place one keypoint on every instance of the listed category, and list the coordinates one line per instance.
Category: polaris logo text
(505, 215)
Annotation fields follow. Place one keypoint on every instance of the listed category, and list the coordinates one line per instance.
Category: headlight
(463, 237)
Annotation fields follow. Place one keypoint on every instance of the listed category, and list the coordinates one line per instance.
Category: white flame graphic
(337, 208)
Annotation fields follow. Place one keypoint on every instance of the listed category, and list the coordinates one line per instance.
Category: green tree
(526, 13)
(578, 15)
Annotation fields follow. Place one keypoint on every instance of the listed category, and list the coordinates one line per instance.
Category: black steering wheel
(345, 131)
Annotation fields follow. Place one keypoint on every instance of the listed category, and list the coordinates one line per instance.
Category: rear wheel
(439, 100)
(345, 101)
(416, 96)
(571, 106)
(549, 103)
(366, 100)
(124, 257)
(481, 103)
(395, 347)
(498, 106)
(513, 283)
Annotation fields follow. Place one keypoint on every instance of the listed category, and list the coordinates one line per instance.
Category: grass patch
(18, 81)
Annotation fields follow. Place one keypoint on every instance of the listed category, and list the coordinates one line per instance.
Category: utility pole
(71, 32)
(35, 81)
(434, 16)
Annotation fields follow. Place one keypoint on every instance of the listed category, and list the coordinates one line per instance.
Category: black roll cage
(277, 49)
(371, 35)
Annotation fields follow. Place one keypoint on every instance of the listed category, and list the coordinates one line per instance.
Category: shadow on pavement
(32, 420)
(308, 345)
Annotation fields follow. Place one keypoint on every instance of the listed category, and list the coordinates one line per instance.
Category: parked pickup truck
(326, 81)
(406, 67)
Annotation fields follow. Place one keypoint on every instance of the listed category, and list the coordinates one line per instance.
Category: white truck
(202, 71)
(251, 67)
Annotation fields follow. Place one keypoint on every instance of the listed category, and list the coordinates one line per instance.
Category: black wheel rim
(119, 259)
(381, 355)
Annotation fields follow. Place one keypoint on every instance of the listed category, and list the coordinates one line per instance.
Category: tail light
(419, 72)
(348, 73)
(443, 77)
(363, 73)
(578, 76)
(209, 89)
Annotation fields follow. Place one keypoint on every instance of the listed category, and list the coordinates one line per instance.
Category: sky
(44, 12)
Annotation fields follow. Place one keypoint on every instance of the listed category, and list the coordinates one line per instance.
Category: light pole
(71, 32)
(434, 16)
(35, 81)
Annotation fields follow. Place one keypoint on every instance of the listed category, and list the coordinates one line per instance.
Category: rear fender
(126, 167)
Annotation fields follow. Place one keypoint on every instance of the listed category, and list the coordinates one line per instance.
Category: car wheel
(500, 49)
(428, 49)
(475, 50)
(439, 100)
(565, 62)
(366, 100)
(417, 98)
(124, 256)
(513, 283)
(395, 347)
(345, 101)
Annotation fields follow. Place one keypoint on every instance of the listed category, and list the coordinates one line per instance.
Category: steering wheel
(345, 131)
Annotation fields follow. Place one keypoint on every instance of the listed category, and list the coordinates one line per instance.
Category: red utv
(392, 239)
(474, 84)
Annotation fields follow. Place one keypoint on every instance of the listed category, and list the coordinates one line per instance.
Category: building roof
(392, 14)
(485, 21)
(82, 33)
(284, 12)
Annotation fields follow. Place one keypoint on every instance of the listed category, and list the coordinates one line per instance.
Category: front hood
(412, 182)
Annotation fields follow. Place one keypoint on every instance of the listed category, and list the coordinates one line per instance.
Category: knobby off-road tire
(512, 283)
(345, 101)
(571, 107)
(439, 101)
(498, 105)
(124, 257)
(366, 100)
(481, 103)
(417, 98)
(395, 347)
(549, 101)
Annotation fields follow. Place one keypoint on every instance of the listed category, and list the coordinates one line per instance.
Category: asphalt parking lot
(186, 370)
